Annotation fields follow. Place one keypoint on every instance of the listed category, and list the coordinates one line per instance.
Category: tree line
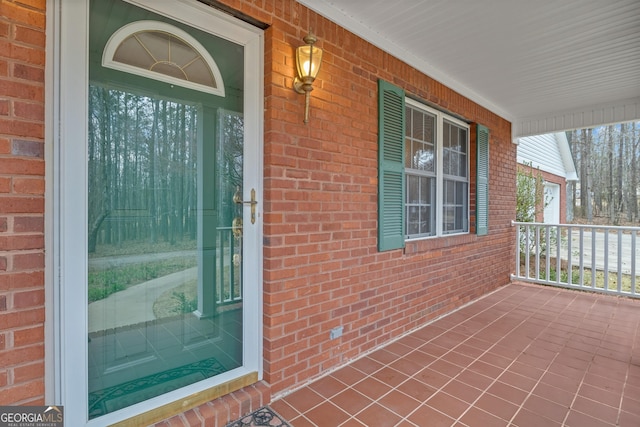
(606, 160)
(145, 172)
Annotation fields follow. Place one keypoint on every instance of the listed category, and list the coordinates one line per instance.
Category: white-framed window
(423, 172)
(436, 172)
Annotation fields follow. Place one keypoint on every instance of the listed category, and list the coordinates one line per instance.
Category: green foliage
(103, 283)
(564, 275)
(611, 279)
(185, 304)
(530, 201)
(529, 194)
(108, 283)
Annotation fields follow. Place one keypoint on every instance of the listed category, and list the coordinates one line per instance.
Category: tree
(607, 161)
(142, 162)
(634, 146)
(530, 201)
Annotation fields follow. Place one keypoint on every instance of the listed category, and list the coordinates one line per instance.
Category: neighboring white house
(551, 155)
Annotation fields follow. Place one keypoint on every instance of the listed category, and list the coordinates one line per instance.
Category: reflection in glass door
(164, 241)
(165, 290)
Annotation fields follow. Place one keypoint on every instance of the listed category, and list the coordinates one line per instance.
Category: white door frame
(551, 213)
(67, 83)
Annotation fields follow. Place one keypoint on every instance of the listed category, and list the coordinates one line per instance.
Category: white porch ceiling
(544, 65)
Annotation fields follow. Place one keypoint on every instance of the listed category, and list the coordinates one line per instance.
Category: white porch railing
(598, 259)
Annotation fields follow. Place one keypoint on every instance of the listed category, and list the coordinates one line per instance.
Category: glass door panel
(165, 287)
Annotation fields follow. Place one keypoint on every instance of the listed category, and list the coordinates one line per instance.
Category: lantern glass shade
(308, 58)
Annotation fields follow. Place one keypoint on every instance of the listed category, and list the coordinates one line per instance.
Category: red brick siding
(22, 58)
(321, 264)
(219, 412)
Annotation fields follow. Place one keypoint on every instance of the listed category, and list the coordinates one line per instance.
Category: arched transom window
(161, 51)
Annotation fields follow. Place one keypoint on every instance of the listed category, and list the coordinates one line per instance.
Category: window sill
(430, 244)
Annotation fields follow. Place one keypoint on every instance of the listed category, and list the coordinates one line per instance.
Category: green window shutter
(482, 180)
(391, 181)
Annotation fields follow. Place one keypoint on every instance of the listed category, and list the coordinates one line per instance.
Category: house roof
(550, 153)
(544, 65)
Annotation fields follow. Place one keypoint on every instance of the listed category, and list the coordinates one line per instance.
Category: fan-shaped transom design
(161, 51)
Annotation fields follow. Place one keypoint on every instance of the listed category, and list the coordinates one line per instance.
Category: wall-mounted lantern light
(308, 59)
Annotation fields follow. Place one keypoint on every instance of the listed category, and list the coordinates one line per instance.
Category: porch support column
(207, 215)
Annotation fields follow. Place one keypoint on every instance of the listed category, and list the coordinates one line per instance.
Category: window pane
(446, 137)
(449, 192)
(413, 220)
(408, 153)
(425, 220)
(446, 162)
(455, 207)
(425, 191)
(420, 206)
(413, 189)
(462, 152)
(459, 218)
(462, 140)
(460, 193)
(455, 164)
(462, 165)
(423, 158)
(419, 145)
(449, 220)
(417, 126)
(455, 154)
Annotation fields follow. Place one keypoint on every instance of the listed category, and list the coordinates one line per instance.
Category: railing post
(593, 258)
(558, 263)
(547, 259)
(581, 261)
(633, 262)
(527, 251)
(569, 257)
(606, 259)
(619, 261)
(518, 248)
(537, 263)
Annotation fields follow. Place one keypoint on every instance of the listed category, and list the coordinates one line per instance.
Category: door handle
(237, 198)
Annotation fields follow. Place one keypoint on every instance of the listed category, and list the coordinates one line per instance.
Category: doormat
(131, 392)
(262, 417)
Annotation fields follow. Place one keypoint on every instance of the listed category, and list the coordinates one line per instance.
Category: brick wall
(322, 267)
(22, 58)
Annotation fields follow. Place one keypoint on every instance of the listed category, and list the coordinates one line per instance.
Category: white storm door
(158, 270)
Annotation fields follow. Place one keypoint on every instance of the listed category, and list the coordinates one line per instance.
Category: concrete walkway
(135, 304)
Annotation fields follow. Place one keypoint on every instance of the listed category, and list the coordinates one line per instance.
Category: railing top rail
(590, 226)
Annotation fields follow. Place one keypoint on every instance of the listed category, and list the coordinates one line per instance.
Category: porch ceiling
(544, 65)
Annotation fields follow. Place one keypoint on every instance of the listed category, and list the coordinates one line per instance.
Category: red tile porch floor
(524, 355)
